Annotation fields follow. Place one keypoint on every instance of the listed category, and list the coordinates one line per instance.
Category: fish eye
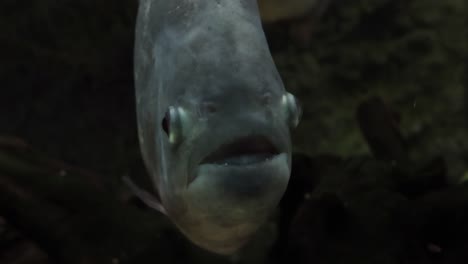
(173, 123)
(293, 109)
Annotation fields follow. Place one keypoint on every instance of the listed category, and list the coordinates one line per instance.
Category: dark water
(381, 150)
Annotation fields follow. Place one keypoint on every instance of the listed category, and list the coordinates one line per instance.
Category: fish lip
(243, 151)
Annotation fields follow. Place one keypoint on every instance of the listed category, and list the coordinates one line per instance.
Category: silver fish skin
(214, 118)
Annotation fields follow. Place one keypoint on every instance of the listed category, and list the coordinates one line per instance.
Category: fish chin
(226, 204)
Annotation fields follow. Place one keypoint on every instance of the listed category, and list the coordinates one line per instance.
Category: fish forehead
(226, 83)
(214, 63)
(185, 17)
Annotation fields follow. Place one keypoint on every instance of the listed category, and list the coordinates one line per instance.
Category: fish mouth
(243, 152)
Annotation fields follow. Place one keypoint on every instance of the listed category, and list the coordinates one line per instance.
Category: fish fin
(147, 198)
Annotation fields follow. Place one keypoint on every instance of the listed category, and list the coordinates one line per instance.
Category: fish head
(215, 120)
(228, 153)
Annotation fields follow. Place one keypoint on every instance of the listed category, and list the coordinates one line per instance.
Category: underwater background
(381, 154)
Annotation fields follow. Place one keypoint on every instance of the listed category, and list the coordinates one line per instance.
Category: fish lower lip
(239, 162)
(244, 160)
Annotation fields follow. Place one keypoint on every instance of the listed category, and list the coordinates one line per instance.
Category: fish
(214, 119)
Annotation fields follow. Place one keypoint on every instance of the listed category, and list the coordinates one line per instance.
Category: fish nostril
(210, 108)
(207, 108)
(266, 98)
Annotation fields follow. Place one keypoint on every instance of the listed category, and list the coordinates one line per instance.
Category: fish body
(213, 118)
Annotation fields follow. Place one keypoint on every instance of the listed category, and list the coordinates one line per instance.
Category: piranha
(214, 118)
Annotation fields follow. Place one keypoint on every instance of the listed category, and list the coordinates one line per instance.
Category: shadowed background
(66, 76)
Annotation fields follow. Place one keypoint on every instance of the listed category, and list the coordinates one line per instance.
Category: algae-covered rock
(412, 53)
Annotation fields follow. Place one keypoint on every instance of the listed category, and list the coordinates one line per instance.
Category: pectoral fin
(147, 198)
